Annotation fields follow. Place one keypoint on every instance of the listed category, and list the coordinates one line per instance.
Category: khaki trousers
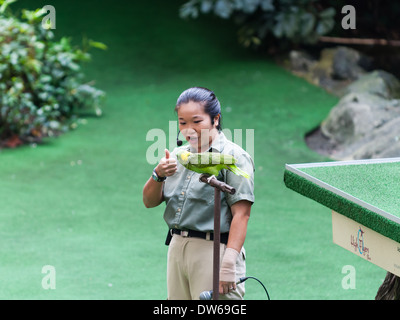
(190, 269)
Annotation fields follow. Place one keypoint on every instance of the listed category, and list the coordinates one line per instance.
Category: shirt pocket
(200, 192)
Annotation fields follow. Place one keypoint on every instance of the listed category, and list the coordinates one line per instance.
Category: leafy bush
(40, 78)
(298, 21)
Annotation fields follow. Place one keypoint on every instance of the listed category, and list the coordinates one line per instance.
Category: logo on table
(358, 243)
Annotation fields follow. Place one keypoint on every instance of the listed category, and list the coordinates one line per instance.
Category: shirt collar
(218, 143)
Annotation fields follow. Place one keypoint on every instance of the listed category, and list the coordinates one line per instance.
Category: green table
(364, 197)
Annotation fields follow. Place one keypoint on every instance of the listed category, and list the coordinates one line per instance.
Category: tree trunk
(389, 289)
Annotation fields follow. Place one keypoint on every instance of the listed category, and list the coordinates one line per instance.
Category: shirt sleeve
(244, 186)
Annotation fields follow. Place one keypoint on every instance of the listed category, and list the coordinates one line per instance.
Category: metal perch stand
(218, 187)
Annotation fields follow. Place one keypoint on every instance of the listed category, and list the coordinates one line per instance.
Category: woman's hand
(237, 234)
(167, 166)
(153, 190)
(227, 274)
(226, 287)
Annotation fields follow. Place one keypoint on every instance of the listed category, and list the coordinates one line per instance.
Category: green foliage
(41, 83)
(298, 21)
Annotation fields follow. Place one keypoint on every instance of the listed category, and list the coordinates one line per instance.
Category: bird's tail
(237, 170)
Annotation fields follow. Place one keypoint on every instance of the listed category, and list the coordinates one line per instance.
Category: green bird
(209, 162)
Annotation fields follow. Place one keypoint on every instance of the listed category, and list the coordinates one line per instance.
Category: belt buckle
(184, 233)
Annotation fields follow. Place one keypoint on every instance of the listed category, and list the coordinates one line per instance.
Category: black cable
(207, 295)
(243, 279)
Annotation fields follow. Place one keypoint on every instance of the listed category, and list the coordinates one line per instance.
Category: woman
(189, 210)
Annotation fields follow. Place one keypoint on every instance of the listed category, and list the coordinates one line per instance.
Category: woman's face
(195, 125)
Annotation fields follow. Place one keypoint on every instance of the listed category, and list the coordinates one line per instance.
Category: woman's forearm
(237, 235)
(152, 193)
(238, 229)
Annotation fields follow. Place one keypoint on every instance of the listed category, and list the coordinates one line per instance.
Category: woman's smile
(196, 126)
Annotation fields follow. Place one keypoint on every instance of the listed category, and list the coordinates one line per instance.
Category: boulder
(333, 70)
(381, 143)
(379, 82)
(300, 61)
(366, 121)
(349, 64)
(356, 115)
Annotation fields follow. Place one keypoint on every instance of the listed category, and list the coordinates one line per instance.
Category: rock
(383, 142)
(300, 61)
(324, 66)
(335, 69)
(356, 115)
(348, 63)
(379, 82)
(366, 121)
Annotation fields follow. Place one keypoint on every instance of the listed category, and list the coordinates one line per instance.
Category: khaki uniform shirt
(190, 203)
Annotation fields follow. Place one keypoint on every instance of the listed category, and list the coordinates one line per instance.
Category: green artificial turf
(376, 185)
(75, 202)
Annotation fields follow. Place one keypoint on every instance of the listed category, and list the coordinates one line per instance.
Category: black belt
(196, 234)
